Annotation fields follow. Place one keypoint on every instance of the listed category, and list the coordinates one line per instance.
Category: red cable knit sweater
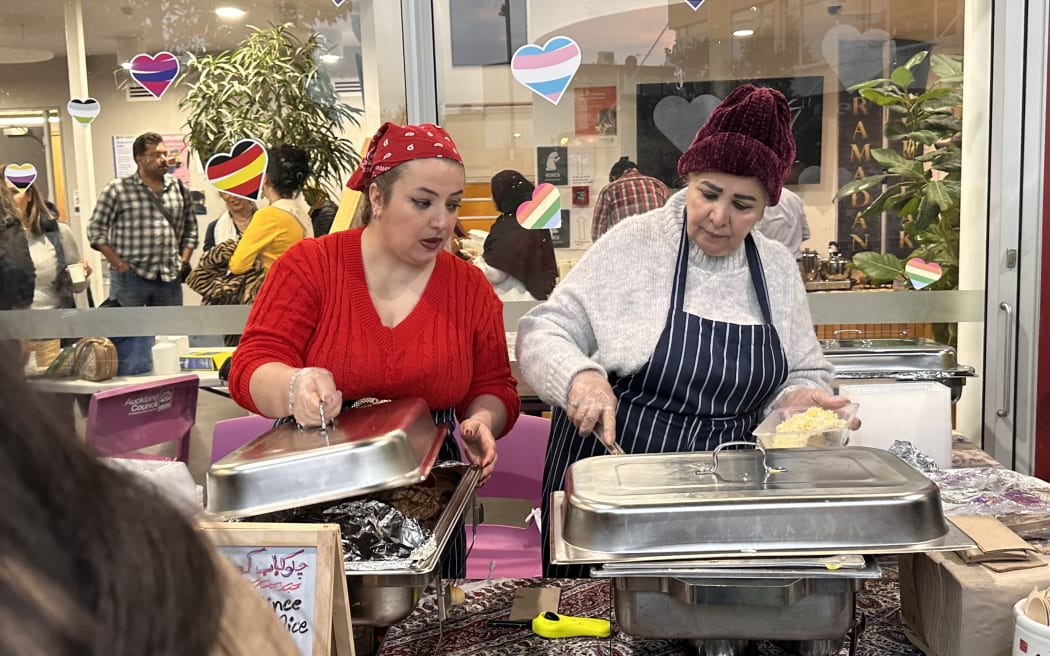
(314, 310)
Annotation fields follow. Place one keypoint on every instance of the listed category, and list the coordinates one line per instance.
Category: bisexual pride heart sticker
(155, 73)
(240, 171)
(922, 273)
(83, 111)
(547, 71)
(21, 176)
(695, 4)
(543, 211)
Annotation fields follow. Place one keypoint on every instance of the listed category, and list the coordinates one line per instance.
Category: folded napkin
(998, 548)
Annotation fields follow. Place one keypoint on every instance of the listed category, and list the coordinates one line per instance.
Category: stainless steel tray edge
(871, 570)
(563, 553)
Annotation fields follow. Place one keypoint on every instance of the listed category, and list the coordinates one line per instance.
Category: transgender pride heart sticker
(548, 70)
(922, 273)
(543, 211)
(21, 176)
(83, 111)
(155, 73)
(240, 171)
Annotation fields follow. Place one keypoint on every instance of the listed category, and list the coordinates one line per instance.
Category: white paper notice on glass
(123, 159)
(581, 170)
(580, 234)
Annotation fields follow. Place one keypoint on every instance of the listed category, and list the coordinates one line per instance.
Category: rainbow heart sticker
(695, 4)
(155, 73)
(547, 71)
(21, 176)
(543, 211)
(240, 171)
(922, 273)
(83, 111)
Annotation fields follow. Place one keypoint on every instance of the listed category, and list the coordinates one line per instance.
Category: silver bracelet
(291, 387)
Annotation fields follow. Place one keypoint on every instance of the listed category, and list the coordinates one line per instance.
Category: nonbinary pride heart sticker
(548, 71)
(22, 176)
(240, 171)
(543, 211)
(83, 111)
(922, 273)
(155, 73)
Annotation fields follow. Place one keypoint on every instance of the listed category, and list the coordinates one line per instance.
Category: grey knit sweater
(608, 313)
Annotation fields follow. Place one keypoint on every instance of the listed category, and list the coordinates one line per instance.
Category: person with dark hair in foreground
(93, 561)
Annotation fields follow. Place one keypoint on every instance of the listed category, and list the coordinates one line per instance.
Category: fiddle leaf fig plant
(271, 88)
(921, 182)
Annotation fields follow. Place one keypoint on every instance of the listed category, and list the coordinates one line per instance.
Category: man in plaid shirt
(148, 249)
(628, 193)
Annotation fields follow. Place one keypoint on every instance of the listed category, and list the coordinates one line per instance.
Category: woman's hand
(307, 389)
(806, 397)
(87, 267)
(592, 402)
(480, 445)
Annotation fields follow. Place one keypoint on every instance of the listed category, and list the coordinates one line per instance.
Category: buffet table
(466, 630)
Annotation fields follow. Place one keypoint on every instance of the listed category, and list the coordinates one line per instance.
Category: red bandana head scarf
(396, 144)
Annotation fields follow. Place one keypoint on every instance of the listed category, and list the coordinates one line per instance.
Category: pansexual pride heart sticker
(240, 171)
(543, 211)
(83, 111)
(548, 70)
(22, 176)
(695, 4)
(155, 73)
(922, 273)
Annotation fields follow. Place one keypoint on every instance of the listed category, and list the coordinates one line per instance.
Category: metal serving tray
(866, 358)
(367, 449)
(831, 500)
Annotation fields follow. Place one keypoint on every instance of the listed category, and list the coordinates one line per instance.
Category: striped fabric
(704, 385)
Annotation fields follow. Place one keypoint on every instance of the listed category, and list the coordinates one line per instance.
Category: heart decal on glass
(695, 4)
(547, 71)
(240, 171)
(543, 211)
(338, 3)
(678, 119)
(21, 176)
(922, 273)
(83, 111)
(155, 73)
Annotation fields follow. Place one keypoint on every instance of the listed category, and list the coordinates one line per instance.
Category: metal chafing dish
(365, 451)
(898, 359)
(730, 546)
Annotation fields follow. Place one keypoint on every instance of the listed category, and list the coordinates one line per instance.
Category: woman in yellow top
(273, 229)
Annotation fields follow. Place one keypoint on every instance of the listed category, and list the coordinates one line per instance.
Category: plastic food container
(770, 438)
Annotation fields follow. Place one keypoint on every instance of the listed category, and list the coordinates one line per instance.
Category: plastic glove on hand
(592, 402)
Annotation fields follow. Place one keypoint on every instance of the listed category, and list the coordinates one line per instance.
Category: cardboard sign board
(299, 569)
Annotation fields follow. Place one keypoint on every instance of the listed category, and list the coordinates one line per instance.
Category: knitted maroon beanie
(748, 134)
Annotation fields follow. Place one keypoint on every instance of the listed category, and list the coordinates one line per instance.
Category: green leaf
(916, 59)
(902, 77)
(880, 268)
(880, 98)
(888, 159)
(868, 85)
(857, 186)
(947, 68)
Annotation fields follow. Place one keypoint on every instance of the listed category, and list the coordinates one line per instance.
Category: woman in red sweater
(385, 311)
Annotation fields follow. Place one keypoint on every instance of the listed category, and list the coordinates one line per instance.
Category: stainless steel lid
(367, 449)
(829, 500)
(889, 358)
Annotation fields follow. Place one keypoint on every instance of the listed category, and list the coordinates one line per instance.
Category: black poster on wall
(669, 115)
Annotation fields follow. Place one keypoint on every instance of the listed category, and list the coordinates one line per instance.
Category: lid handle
(754, 445)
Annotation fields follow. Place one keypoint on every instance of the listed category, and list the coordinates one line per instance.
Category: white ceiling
(176, 25)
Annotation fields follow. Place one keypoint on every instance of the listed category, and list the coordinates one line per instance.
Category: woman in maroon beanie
(680, 329)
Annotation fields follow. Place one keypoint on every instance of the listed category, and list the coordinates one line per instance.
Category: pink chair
(231, 434)
(123, 420)
(512, 551)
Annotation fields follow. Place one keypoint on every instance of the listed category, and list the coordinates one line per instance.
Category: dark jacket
(17, 273)
(322, 218)
(528, 255)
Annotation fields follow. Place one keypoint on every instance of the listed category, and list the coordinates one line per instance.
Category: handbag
(95, 359)
(216, 285)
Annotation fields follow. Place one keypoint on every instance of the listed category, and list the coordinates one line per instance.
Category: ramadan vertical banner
(860, 130)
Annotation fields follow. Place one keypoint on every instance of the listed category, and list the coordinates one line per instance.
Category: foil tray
(367, 449)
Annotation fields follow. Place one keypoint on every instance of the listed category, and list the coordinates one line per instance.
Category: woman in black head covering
(523, 254)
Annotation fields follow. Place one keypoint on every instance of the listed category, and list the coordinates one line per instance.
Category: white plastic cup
(165, 358)
(77, 273)
(1030, 637)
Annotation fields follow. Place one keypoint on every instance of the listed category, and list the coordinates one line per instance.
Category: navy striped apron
(705, 384)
